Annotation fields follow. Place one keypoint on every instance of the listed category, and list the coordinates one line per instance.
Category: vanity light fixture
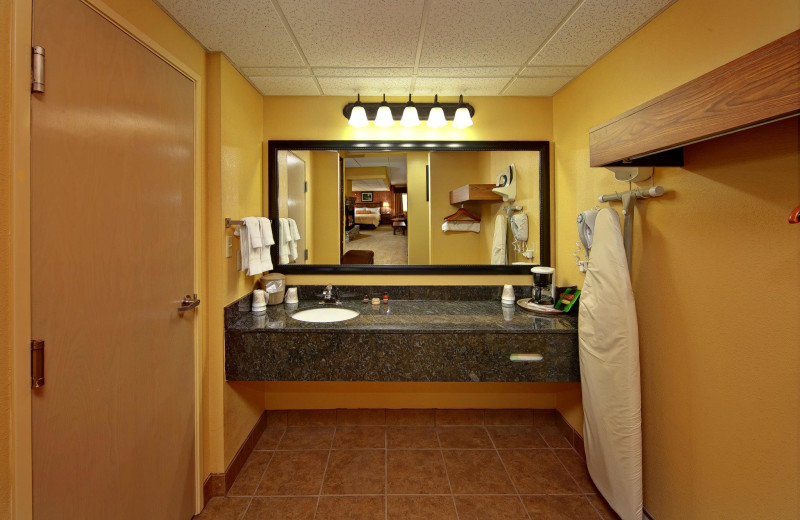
(358, 116)
(384, 118)
(462, 118)
(436, 117)
(385, 114)
(410, 117)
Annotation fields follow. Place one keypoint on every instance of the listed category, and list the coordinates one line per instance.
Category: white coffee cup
(259, 301)
(291, 295)
(508, 294)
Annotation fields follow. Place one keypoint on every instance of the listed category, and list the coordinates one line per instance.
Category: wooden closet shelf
(474, 192)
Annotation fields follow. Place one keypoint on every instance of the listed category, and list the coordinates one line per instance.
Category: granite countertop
(407, 316)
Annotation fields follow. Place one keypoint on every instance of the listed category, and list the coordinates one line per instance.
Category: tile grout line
(446, 472)
(325, 471)
(581, 492)
(510, 478)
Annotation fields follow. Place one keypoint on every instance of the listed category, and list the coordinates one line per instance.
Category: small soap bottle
(386, 298)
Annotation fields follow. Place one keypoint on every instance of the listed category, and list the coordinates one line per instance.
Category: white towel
(265, 227)
(284, 234)
(499, 241)
(294, 236)
(461, 225)
(251, 256)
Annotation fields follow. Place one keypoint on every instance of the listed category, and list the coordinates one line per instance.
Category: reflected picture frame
(366, 196)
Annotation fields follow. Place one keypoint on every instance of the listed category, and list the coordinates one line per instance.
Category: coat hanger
(462, 213)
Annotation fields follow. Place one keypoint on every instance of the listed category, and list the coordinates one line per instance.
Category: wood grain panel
(472, 192)
(761, 86)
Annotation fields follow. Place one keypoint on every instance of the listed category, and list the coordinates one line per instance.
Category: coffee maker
(544, 290)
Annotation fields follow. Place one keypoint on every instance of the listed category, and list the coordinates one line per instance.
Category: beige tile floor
(410, 465)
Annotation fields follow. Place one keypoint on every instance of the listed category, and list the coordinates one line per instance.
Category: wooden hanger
(462, 213)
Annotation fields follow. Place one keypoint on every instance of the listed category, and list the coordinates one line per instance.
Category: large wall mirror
(409, 207)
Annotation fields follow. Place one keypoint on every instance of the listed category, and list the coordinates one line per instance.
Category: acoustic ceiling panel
(536, 86)
(249, 32)
(363, 71)
(466, 72)
(356, 33)
(349, 86)
(595, 28)
(276, 71)
(457, 86)
(488, 33)
(556, 70)
(285, 86)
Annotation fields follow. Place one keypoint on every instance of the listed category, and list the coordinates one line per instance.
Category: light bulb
(410, 117)
(384, 117)
(358, 116)
(462, 118)
(436, 117)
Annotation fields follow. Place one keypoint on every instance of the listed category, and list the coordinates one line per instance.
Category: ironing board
(608, 340)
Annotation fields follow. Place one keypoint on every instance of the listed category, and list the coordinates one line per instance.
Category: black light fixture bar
(423, 109)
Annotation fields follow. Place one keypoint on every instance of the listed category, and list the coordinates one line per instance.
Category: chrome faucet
(329, 295)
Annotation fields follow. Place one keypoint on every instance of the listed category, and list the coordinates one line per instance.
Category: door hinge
(37, 363)
(305, 255)
(37, 69)
(305, 187)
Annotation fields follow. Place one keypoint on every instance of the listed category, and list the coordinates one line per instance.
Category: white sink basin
(325, 315)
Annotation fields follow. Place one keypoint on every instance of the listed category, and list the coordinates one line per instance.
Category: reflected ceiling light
(436, 117)
(462, 118)
(410, 117)
(384, 117)
(358, 116)
(383, 114)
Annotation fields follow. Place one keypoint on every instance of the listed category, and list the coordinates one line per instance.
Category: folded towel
(294, 236)
(251, 256)
(499, 241)
(265, 227)
(461, 225)
(284, 234)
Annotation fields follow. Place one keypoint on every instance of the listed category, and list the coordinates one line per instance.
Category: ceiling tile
(595, 28)
(563, 70)
(365, 86)
(483, 32)
(536, 86)
(276, 71)
(471, 72)
(249, 32)
(285, 86)
(356, 33)
(457, 86)
(363, 71)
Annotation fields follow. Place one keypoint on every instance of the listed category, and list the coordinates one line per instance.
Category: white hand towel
(499, 241)
(294, 235)
(461, 225)
(251, 256)
(284, 235)
(266, 238)
(253, 232)
(244, 246)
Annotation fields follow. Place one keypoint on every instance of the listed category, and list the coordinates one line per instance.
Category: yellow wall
(418, 231)
(325, 179)
(719, 357)
(234, 165)
(449, 171)
(5, 262)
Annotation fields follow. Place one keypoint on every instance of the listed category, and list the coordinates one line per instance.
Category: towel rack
(230, 222)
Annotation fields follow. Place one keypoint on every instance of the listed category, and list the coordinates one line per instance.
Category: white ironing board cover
(608, 339)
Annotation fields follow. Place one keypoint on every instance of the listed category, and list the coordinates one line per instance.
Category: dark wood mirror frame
(543, 147)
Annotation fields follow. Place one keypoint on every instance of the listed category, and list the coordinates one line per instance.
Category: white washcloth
(284, 234)
(265, 227)
(294, 236)
(499, 241)
(461, 225)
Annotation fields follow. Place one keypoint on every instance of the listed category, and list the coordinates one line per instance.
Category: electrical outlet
(228, 246)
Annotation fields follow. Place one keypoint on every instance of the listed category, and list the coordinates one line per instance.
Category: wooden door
(296, 176)
(112, 248)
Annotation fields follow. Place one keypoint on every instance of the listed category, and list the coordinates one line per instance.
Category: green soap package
(568, 299)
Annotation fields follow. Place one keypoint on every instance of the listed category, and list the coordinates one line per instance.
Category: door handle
(189, 302)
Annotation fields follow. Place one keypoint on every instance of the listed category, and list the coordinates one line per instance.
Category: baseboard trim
(218, 484)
